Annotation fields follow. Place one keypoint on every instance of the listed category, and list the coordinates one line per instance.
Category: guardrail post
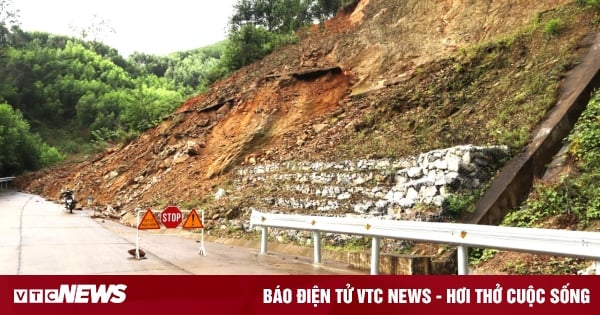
(317, 247)
(263, 240)
(463, 260)
(375, 256)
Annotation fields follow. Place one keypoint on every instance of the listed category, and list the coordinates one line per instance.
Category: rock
(319, 127)
(192, 148)
(406, 203)
(220, 194)
(441, 164)
(344, 196)
(412, 194)
(429, 191)
(361, 208)
(230, 214)
(453, 164)
(414, 172)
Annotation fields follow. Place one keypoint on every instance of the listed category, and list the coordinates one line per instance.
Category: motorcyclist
(69, 199)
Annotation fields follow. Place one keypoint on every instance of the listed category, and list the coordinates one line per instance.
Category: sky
(156, 27)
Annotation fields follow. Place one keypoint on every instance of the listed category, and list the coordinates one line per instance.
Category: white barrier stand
(202, 249)
(137, 237)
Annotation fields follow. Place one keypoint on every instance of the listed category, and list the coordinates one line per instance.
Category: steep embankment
(382, 79)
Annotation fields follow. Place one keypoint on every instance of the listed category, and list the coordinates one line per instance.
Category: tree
(247, 45)
(71, 91)
(21, 150)
(147, 105)
(196, 69)
(8, 17)
(259, 26)
(281, 16)
(324, 9)
(156, 65)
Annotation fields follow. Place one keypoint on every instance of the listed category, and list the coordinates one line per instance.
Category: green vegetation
(493, 93)
(480, 255)
(555, 265)
(571, 201)
(575, 197)
(79, 95)
(74, 92)
(554, 27)
(461, 204)
(21, 149)
(257, 27)
(592, 3)
(352, 244)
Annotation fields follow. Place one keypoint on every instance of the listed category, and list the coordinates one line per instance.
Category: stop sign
(171, 217)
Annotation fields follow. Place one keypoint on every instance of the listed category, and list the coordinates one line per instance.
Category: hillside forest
(63, 96)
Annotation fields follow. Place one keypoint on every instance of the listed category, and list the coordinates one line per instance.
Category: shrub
(591, 3)
(21, 150)
(554, 27)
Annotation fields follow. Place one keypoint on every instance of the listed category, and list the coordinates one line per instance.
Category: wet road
(38, 237)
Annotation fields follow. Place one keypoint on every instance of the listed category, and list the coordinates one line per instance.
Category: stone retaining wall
(413, 188)
(393, 189)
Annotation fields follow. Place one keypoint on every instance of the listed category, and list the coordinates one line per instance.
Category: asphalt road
(39, 237)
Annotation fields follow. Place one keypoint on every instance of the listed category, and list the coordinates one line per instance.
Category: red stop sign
(171, 217)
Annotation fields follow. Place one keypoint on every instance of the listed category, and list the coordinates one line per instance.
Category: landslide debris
(384, 78)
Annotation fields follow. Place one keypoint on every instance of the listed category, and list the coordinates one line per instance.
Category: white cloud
(149, 26)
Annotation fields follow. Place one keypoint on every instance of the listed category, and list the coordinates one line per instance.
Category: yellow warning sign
(149, 222)
(193, 221)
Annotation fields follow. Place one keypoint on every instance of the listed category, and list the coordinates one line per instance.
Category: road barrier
(171, 217)
(4, 181)
(578, 244)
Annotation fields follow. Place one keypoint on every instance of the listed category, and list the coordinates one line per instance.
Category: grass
(491, 93)
(554, 27)
(570, 201)
(353, 244)
(574, 196)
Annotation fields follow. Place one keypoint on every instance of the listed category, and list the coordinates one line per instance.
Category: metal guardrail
(4, 182)
(579, 244)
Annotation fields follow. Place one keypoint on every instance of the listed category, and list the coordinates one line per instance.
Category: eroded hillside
(385, 78)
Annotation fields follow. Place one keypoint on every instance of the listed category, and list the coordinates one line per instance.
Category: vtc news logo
(73, 294)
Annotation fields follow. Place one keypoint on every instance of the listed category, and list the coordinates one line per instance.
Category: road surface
(39, 237)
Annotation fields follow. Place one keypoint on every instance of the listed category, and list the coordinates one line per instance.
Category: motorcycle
(69, 200)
